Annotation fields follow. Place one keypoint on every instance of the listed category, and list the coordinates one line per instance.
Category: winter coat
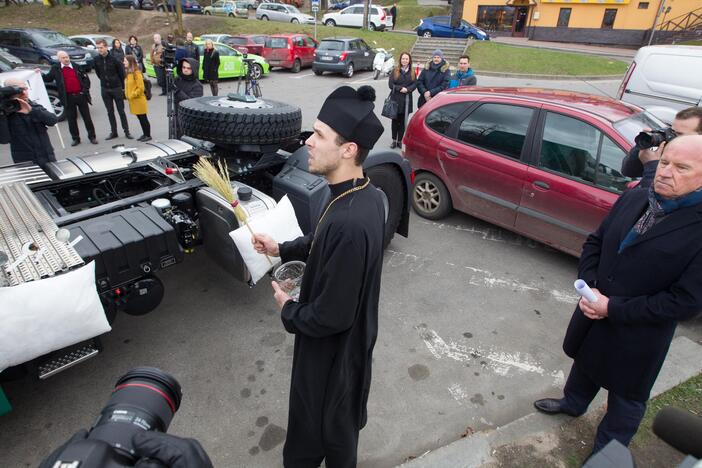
(651, 285)
(210, 65)
(137, 52)
(118, 54)
(434, 78)
(110, 71)
(192, 51)
(156, 55)
(28, 136)
(187, 87)
(403, 81)
(56, 76)
(463, 79)
(134, 91)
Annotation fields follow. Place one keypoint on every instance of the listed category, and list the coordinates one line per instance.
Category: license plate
(82, 62)
(328, 59)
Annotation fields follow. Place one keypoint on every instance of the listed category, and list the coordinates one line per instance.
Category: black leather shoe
(75, 143)
(93, 141)
(552, 406)
(162, 94)
(144, 138)
(393, 144)
(399, 145)
(111, 136)
(128, 136)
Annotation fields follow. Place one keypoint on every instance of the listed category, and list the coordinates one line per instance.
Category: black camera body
(645, 140)
(169, 56)
(8, 102)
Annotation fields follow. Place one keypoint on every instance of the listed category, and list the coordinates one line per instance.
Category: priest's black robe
(335, 324)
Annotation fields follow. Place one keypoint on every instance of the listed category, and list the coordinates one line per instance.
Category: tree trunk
(179, 19)
(366, 14)
(456, 13)
(102, 8)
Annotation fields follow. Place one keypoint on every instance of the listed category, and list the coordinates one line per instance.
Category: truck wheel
(430, 197)
(229, 122)
(388, 179)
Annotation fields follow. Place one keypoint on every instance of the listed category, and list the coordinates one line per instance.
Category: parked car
(440, 26)
(227, 8)
(133, 4)
(543, 163)
(352, 16)
(38, 45)
(230, 62)
(292, 51)
(188, 6)
(89, 41)
(664, 79)
(338, 4)
(342, 55)
(279, 12)
(249, 43)
(9, 62)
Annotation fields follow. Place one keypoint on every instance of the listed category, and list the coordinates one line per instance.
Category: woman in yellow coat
(134, 92)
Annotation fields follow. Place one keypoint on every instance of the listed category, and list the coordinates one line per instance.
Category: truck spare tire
(226, 121)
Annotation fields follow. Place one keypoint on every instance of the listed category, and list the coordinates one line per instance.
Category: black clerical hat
(350, 114)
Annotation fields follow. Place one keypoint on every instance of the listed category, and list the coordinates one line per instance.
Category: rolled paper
(584, 290)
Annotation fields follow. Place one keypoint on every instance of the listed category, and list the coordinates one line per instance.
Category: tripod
(251, 86)
(171, 111)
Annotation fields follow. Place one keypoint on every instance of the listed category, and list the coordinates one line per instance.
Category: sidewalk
(621, 53)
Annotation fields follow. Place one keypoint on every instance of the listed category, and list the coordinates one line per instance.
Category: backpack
(147, 89)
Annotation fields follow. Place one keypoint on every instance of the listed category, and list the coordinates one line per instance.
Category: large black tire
(206, 118)
(388, 179)
(430, 197)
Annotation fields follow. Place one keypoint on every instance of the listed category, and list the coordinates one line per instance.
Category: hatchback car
(228, 8)
(292, 51)
(133, 4)
(543, 163)
(440, 26)
(279, 12)
(249, 43)
(42, 45)
(352, 16)
(187, 6)
(343, 55)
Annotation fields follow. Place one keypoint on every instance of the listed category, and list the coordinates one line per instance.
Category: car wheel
(349, 70)
(160, 8)
(57, 104)
(43, 61)
(231, 15)
(257, 71)
(294, 21)
(296, 66)
(250, 7)
(228, 122)
(389, 181)
(330, 23)
(371, 27)
(131, 7)
(430, 197)
(208, 13)
(426, 34)
(376, 75)
(318, 72)
(264, 18)
(472, 37)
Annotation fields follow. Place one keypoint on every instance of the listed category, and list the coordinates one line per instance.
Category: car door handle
(542, 184)
(451, 153)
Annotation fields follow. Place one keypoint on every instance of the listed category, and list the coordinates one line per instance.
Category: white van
(664, 79)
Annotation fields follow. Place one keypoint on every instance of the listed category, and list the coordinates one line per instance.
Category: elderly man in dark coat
(644, 264)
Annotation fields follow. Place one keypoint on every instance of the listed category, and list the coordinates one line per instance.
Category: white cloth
(49, 314)
(35, 86)
(280, 223)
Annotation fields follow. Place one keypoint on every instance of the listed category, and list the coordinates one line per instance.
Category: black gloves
(157, 450)
(50, 461)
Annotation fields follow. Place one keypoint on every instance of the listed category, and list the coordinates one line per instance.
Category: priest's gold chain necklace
(338, 197)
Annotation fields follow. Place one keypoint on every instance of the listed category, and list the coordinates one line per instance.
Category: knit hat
(438, 52)
(350, 113)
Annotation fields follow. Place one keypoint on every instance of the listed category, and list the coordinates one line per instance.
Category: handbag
(390, 107)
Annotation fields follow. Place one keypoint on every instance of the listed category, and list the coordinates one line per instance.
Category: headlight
(54, 57)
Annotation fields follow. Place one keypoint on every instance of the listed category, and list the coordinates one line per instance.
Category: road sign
(315, 4)
(315, 8)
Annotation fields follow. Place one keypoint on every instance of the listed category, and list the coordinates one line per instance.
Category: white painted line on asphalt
(301, 76)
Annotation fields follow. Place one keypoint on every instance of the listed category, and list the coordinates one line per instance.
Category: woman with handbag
(136, 96)
(402, 82)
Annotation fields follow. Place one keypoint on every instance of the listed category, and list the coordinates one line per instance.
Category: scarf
(658, 208)
(460, 75)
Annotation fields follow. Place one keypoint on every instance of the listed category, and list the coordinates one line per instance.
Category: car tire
(208, 13)
(43, 61)
(131, 7)
(372, 27)
(389, 180)
(297, 65)
(331, 23)
(264, 18)
(295, 21)
(472, 37)
(430, 197)
(231, 15)
(426, 34)
(257, 71)
(161, 8)
(349, 70)
(57, 104)
(376, 75)
(318, 72)
(207, 119)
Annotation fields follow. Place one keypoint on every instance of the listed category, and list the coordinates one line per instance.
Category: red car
(543, 163)
(247, 43)
(292, 51)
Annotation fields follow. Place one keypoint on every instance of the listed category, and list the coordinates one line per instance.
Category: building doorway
(519, 26)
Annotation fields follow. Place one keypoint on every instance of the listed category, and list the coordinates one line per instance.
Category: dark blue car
(39, 45)
(187, 6)
(440, 26)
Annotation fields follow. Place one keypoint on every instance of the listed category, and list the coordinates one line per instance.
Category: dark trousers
(115, 96)
(78, 103)
(145, 125)
(213, 87)
(161, 77)
(623, 416)
(398, 128)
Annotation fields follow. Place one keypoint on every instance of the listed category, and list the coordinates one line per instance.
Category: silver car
(281, 12)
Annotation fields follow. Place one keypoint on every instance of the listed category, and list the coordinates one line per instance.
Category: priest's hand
(595, 310)
(280, 296)
(265, 244)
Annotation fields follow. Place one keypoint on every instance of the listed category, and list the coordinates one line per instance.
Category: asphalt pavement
(471, 323)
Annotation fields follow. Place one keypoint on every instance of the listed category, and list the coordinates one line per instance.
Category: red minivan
(249, 43)
(543, 163)
(292, 51)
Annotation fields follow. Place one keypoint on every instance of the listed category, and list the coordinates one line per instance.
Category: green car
(231, 64)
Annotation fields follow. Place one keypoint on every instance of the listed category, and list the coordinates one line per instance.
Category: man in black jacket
(26, 131)
(191, 48)
(186, 85)
(74, 92)
(644, 264)
(111, 74)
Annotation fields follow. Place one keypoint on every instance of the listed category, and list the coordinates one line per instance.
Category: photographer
(25, 129)
(186, 85)
(643, 162)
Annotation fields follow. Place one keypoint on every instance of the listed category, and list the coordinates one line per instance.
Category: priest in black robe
(335, 320)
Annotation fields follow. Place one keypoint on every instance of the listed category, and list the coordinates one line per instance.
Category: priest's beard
(324, 168)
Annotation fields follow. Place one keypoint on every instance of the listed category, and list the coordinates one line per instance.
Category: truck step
(69, 359)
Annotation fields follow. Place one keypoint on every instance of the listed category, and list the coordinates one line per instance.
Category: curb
(681, 364)
(551, 77)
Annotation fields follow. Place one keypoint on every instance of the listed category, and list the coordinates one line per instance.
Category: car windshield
(277, 43)
(50, 38)
(331, 45)
(632, 126)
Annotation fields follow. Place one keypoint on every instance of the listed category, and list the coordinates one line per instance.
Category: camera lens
(144, 399)
(645, 140)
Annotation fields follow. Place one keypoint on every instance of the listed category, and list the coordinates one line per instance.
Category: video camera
(645, 140)
(169, 56)
(8, 102)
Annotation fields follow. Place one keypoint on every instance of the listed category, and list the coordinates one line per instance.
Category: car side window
(608, 174)
(570, 147)
(441, 119)
(26, 41)
(362, 45)
(309, 42)
(441, 21)
(223, 50)
(499, 128)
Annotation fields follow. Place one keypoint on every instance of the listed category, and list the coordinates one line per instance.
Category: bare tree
(180, 31)
(456, 13)
(102, 9)
(366, 13)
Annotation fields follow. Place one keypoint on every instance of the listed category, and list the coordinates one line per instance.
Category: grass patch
(490, 56)
(690, 43)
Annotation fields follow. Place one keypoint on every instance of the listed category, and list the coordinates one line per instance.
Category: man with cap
(435, 78)
(335, 320)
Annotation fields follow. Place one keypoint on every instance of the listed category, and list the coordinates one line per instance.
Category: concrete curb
(551, 77)
(682, 363)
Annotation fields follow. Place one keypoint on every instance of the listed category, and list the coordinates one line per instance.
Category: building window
(495, 18)
(564, 17)
(643, 5)
(608, 20)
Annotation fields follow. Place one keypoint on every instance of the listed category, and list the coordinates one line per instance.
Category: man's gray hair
(62, 52)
